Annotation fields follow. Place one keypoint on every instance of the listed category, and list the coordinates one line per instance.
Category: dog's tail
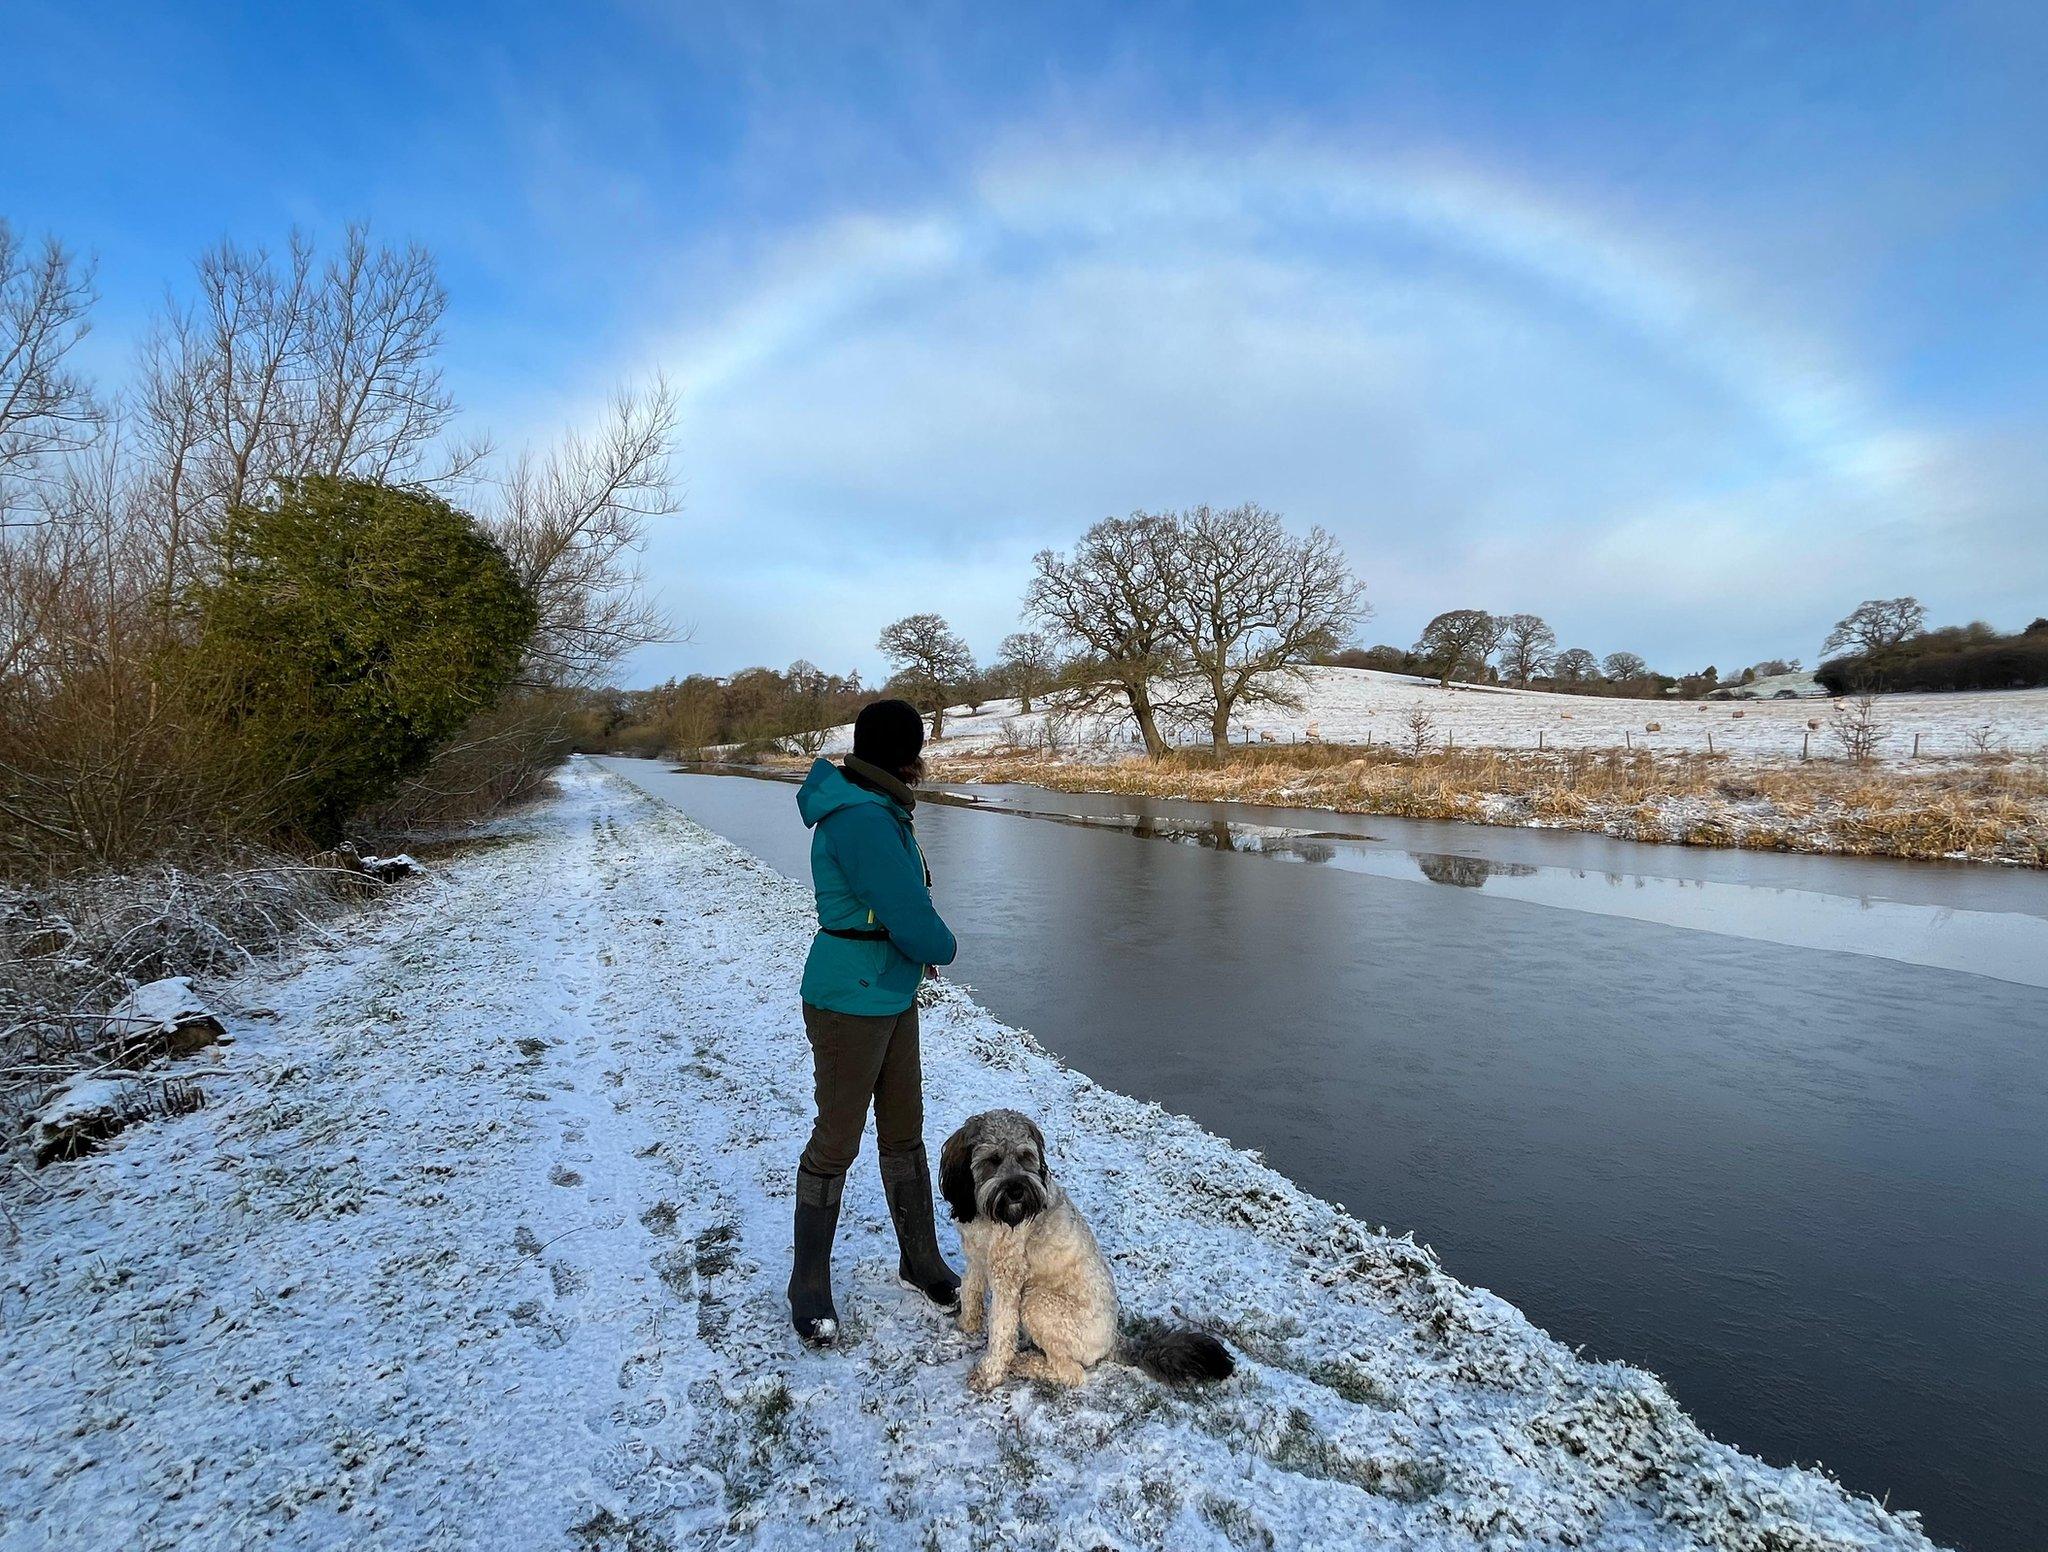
(1173, 1355)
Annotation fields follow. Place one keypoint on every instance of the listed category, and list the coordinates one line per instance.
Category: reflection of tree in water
(1465, 872)
(1217, 835)
(1212, 833)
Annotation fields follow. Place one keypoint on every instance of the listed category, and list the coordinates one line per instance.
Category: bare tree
(931, 662)
(1109, 599)
(1575, 665)
(374, 405)
(1527, 644)
(572, 521)
(1853, 725)
(804, 708)
(219, 380)
(1026, 661)
(1250, 605)
(47, 410)
(1877, 624)
(1984, 740)
(1624, 667)
(42, 570)
(1420, 725)
(1458, 641)
(694, 716)
(282, 367)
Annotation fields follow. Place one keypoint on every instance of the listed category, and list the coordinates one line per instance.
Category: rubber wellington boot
(907, 1183)
(810, 1277)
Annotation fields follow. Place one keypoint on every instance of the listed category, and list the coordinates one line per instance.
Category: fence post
(1804, 739)
(1916, 746)
(1710, 742)
(1539, 738)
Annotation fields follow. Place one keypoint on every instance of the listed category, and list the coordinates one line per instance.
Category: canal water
(1773, 1127)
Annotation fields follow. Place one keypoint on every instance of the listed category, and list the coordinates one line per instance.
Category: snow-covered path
(479, 1242)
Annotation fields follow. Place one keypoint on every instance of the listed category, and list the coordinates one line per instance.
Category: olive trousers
(857, 1059)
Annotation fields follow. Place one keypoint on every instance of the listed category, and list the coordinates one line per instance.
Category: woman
(877, 936)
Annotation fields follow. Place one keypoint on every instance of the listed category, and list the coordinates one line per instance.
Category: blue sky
(1684, 326)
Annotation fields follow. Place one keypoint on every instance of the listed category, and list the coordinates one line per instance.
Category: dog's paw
(983, 1378)
(970, 1321)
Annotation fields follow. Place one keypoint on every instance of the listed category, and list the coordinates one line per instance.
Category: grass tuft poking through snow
(480, 1241)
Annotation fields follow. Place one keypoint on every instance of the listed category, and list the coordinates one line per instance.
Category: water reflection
(1466, 872)
(1215, 834)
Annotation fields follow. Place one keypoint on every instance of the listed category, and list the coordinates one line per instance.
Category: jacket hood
(826, 791)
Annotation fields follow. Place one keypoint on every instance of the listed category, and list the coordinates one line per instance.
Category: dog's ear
(956, 1170)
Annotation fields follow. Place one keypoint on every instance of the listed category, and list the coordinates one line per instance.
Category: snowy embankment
(1354, 705)
(479, 1242)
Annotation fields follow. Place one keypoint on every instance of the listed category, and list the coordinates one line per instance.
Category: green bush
(351, 630)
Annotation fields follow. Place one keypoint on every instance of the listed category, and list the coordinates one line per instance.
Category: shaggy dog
(1032, 1259)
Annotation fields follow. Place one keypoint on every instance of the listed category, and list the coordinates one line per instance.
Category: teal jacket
(868, 872)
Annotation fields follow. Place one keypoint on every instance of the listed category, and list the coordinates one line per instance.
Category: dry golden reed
(1983, 810)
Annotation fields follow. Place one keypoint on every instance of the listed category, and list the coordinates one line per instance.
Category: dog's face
(994, 1167)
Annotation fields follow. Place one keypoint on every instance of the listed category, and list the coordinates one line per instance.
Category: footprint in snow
(640, 1367)
(567, 1278)
(547, 1330)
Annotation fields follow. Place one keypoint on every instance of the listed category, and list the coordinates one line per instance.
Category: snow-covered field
(1352, 705)
(479, 1243)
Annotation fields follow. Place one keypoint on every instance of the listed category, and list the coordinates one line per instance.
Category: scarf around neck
(864, 773)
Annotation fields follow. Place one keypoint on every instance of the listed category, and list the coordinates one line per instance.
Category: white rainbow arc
(1816, 409)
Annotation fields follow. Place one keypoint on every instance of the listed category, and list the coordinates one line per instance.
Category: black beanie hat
(889, 734)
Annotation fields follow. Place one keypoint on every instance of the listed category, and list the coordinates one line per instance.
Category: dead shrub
(503, 756)
(71, 948)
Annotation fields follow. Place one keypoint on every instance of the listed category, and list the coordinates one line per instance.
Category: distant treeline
(1574, 671)
(688, 716)
(1955, 657)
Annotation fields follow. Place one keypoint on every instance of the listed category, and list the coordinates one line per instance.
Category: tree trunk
(1024, 703)
(938, 722)
(1148, 725)
(1219, 729)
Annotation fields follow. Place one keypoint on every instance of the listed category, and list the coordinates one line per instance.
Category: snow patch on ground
(480, 1241)
(1352, 705)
